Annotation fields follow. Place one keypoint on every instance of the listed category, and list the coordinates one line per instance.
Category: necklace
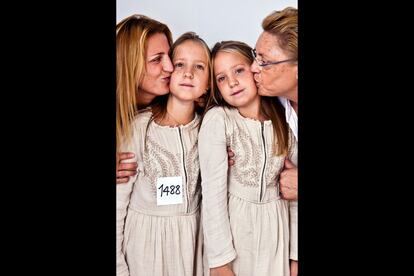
(176, 121)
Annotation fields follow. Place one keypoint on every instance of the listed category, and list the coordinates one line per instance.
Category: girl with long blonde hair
(245, 221)
(158, 210)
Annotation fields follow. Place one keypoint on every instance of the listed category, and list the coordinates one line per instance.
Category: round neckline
(251, 119)
(192, 122)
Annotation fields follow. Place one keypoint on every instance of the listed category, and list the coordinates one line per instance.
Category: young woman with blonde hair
(143, 70)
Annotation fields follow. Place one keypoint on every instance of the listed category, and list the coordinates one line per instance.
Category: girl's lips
(237, 92)
(187, 85)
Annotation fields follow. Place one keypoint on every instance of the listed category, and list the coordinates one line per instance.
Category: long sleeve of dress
(123, 194)
(213, 165)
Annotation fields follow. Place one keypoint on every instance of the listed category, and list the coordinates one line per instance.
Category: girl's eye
(200, 67)
(220, 79)
(179, 65)
(156, 60)
(239, 70)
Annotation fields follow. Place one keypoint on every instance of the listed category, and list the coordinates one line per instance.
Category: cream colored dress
(245, 221)
(166, 239)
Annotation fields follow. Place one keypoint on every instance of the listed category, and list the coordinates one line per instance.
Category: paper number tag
(169, 190)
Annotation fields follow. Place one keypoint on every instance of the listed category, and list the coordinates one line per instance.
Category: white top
(291, 116)
(253, 179)
(161, 151)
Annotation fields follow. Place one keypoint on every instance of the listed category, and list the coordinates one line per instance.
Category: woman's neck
(293, 98)
(144, 98)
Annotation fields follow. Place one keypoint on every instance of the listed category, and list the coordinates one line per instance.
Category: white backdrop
(213, 20)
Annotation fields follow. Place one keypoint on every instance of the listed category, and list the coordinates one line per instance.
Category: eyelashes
(240, 70)
(237, 72)
(180, 65)
(156, 60)
(220, 79)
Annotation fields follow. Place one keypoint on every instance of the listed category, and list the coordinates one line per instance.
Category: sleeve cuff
(222, 260)
(122, 272)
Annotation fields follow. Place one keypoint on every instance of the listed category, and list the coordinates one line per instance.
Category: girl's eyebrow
(197, 60)
(231, 68)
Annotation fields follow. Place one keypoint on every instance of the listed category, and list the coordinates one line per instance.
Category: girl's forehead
(190, 44)
(232, 56)
(191, 48)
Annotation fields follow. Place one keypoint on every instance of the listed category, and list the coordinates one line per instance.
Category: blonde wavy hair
(284, 25)
(132, 35)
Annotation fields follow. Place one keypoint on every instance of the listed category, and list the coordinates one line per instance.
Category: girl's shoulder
(220, 112)
(220, 115)
(143, 116)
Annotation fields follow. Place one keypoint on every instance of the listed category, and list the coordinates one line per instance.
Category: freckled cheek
(174, 77)
(152, 75)
(173, 81)
(222, 90)
(268, 77)
(282, 70)
(203, 79)
(250, 78)
(226, 96)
